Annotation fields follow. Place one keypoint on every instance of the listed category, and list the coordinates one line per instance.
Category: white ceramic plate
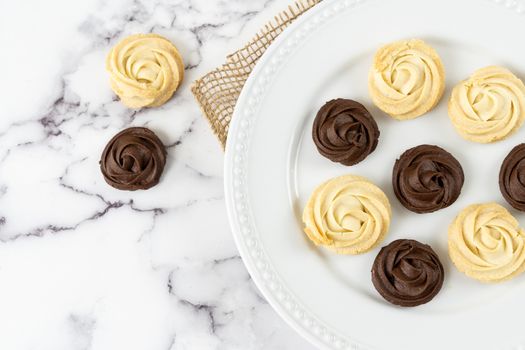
(272, 166)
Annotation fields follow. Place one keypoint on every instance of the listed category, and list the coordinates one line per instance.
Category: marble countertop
(85, 266)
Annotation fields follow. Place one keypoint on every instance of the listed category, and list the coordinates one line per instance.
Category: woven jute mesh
(217, 92)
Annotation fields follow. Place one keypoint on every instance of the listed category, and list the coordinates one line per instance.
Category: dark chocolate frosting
(407, 273)
(512, 177)
(133, 159)
(427, 178)
(344, 131)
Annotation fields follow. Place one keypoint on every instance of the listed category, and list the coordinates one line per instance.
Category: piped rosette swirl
(488, 106)
(512, 177)
(407, 79)
(427, 178)
(347, 214)
(344, 131)
(133, 159)
(407, 273)
(486, 243)
(145, 70)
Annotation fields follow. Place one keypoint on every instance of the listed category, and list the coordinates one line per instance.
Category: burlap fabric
(217, 92)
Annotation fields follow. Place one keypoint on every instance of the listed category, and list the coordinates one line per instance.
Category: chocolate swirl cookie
(133, 160)
(427, 178)
(512, 177)
(344, 131)
(407, 273)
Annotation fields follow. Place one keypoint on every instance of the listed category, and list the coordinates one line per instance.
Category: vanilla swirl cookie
(344, 131)
(347, 214)
(486, 243)
(488, 106)
(407, 273)
(427, 178)
(407, 79)
(145, 70)
(512, 177)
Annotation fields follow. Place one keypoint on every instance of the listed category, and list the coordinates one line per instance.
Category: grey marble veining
(82, 265)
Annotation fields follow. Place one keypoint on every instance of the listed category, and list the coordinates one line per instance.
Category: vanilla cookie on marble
(407, 79)
(488, 106)
(347, 214)
(145, 70)
(486, 243)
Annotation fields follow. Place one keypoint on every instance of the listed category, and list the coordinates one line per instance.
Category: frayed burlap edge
(217, 92)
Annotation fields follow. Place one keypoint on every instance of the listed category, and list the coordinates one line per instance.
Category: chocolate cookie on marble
(133, 159)
(407, 273)
(344, 131)
(512, 177)
(427, 178)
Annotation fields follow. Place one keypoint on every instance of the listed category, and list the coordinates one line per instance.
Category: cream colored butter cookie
(145, 70)
(407, 79)
(486, 243)
(488, 106)
(347, 214)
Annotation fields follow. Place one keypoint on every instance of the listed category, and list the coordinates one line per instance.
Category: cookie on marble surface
(145, 70)
(133, 159)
